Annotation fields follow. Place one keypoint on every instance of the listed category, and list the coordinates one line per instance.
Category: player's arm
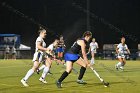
(83, 48)
(117, 50)
(40, 47)
(89, 50)
(97, 45)
(128, 51)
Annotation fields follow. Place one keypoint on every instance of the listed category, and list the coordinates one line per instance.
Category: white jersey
(7, 50)
(122, 50)
(13, 50)
(43, 44)
(51, 47)
(93, 46)
(39, 54)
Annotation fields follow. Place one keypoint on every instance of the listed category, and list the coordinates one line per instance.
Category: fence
(101, 54)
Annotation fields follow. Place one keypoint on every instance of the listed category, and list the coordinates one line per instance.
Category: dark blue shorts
(71, 57)
(60, 49)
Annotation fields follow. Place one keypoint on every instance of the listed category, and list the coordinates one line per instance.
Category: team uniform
(121, 54)
(61, 46)
(7, 52)
(73, 53)
(93, 48)
(13, 51)
(60, 49)
(122, 50)
(47, 55)
(39, 55)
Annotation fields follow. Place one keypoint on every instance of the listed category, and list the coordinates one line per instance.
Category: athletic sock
(119, 64)
(82, 71)
(29, 73)
(63, 76)
(45, 71)
(92, 61)
(42, 67)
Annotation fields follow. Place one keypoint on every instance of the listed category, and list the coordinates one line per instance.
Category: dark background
(69, 18)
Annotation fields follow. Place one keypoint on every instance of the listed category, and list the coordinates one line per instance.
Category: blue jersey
(75, 48)
(73, 53)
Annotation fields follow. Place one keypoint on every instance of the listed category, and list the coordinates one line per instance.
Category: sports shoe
(37, 71)
(116, 67)
(122, 68)
(24, 83)
(81, 81)
(42, 80)
(58, 84)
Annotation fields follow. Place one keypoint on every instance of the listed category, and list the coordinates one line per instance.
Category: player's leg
(30, 73)
(92, 59)
(45, 70)
(118, 65)
(37, 59)
(61, 55)
(40, 68)
(122, 64)
(69, 66)
(82, 71)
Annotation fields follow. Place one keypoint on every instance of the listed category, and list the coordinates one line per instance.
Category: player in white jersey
(50, 54)
(93, 47)
(39, 56)
(13, 51)
(121, 50)
(7, 52)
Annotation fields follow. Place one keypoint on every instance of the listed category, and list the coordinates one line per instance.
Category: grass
(127, 81)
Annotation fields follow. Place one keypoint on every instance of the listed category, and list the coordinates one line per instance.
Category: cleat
(42, 80)
(81, 82)
(122, 68)
(24, 83)
(58, 84)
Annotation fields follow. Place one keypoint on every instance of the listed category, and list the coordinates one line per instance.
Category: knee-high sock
(119, 64)
(45, 71)
(29, 73)
(82, 71)
(92, 61)
(63, 76)
(42, 67)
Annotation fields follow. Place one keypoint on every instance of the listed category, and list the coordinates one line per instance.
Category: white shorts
(121, 56)
(94, 51)
(38, 56)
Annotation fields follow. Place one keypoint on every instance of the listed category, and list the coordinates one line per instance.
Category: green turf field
(127, 81)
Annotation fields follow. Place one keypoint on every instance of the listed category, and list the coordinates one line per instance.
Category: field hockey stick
(75, 71)
(106, 84)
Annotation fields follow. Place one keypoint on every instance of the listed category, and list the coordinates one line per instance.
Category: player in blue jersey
(72, 55)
